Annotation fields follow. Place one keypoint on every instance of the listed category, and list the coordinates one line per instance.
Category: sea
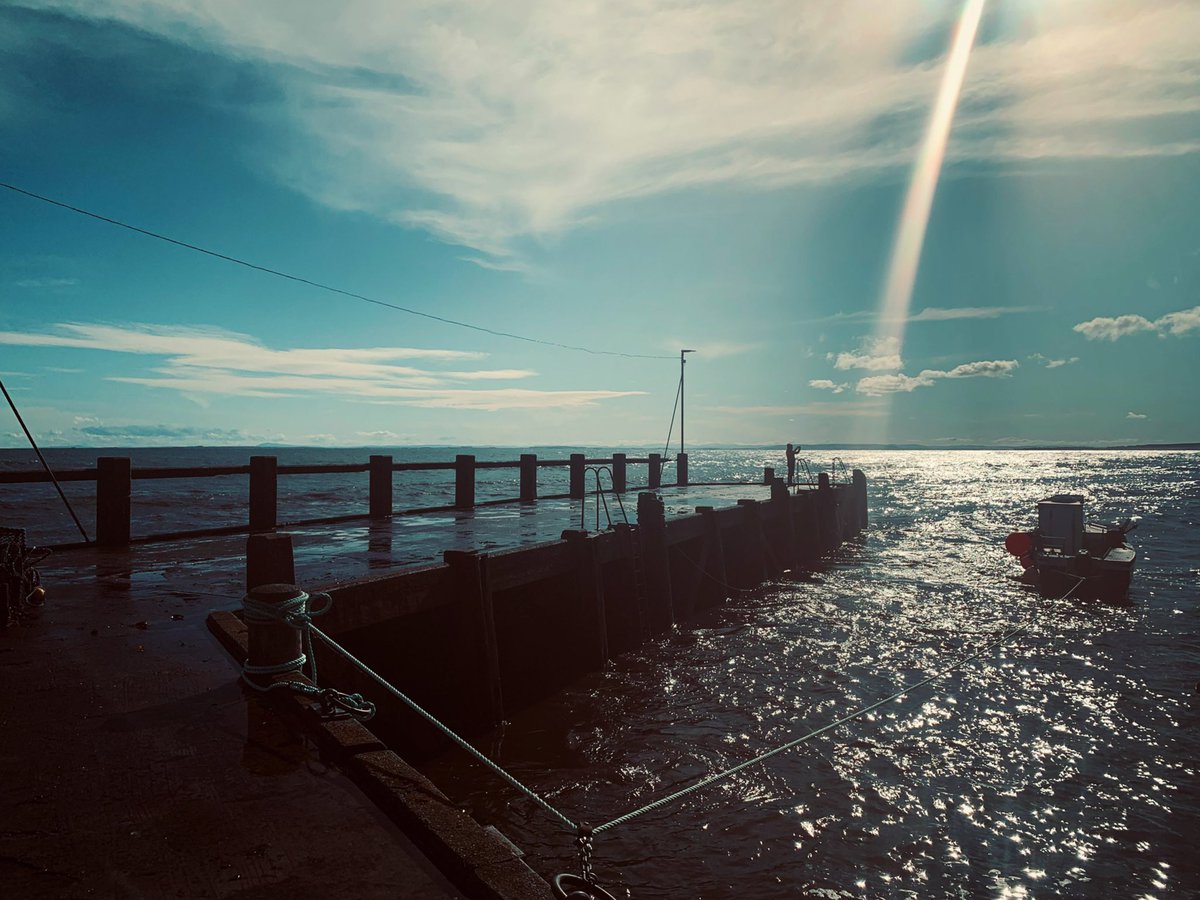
(1059, 762)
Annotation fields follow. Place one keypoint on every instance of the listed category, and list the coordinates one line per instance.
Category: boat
(1064, 556)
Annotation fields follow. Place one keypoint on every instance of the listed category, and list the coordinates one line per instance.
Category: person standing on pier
(791, 462)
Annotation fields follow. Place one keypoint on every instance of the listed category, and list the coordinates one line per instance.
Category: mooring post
(464, 481)
(681, 471)
(652, 528)
(114, 483)
(655, 480)
(860, 497)
(715, 567)
(264, 492)
(269, 560)
(768, 474)
(478, 661)
(269, 640)
(577, 487)
(592, 625)
(618, 473)
(381, 487)
(528, 477)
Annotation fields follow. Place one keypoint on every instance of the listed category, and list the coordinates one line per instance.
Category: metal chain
(584, 843)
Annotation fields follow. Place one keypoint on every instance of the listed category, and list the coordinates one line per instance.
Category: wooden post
(269, 560)
(381, 487)
(782, 537)
(716, 557)
(628, 625)
(860, 492)
(681, 471)
(271, 642)
(464, 481)
(114, 483)
(263, 492)
(478, 661)
(577, 486)
(652, 527)
(655, 480)
(827, 513)
(528, 477)
(755, 555)
(618, 473)
(768, 474)
(591, 636)
(806, 525)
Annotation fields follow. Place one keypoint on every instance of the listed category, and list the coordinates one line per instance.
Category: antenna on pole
(682, 363)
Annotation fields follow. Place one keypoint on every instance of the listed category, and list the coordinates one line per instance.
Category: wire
(324, 287)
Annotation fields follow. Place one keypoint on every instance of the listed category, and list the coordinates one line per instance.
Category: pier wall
(483, 634)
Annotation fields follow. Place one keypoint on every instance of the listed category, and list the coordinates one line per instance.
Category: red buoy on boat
(1019, 543)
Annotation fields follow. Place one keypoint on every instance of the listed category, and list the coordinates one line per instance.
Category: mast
(682, 363)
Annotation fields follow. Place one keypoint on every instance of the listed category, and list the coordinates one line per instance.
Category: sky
(913, 222)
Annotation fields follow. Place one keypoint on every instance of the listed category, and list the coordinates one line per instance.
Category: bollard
(269, 641)
(655, 480)
(618, 473)
(681, 471)
(269, 560)
(113, 486)
(464, 481)
(528, 477)
(263, 492)
(381, 487)
(577, 487)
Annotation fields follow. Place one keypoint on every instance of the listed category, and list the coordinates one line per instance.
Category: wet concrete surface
(134, 764)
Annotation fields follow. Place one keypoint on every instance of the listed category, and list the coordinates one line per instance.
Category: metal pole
(45, 465)
(682, 363)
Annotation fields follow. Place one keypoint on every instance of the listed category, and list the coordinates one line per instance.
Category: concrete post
(618, 473)
(656, 564)
(528, 477)
(655, 480)
(591, 633)
(577, 486)
(464, 481)
(681, 471)
(264, 492)
(114, 483)
(381, 487)
(269, 560)
(478, 657)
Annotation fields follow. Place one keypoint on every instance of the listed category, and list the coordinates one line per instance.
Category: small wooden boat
(1063, 555)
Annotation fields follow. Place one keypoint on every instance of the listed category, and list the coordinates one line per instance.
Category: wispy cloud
(709, 349)
(1133, 415)
(878, 385)
(524, 119)
(875, 355)
(35, 283)
(829, 410)
(1105, 328)
(1054, 363)
(824, 384)
(931, 314)
(201, 361)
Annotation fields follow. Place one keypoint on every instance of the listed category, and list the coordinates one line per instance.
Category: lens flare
(914, 218)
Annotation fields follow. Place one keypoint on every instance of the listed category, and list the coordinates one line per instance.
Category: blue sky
(631, 177)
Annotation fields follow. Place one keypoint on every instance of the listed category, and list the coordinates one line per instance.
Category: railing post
(655, 480)
(618, 473)
(577, 473)
(381, 487)
(681, 469)
(464, 481)
(263, 492)
(528, 477)
(113, 486)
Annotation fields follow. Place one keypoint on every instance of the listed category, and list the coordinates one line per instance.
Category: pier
(476, 608)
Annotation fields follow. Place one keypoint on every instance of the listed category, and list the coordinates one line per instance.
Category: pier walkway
(135, 765)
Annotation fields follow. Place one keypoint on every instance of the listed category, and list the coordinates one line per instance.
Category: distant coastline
(870, 447)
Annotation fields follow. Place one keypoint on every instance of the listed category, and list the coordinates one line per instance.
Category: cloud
(824, 384)
(488, 124)
(824, 410)
(1110, 329)
(46, 282)
(875, 355)
(942, 314)
(1054, 363)
(202, 361)
(710, 349)
(138, 432)
(878, 385)
(1133, 415)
